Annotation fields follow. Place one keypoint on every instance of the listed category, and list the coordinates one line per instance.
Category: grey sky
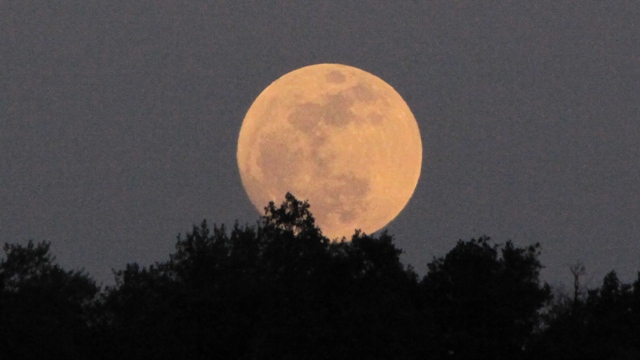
(119, 120)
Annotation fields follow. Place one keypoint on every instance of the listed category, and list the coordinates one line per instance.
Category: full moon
(337, 136)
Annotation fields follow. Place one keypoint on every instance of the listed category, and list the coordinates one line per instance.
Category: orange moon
(337, 136)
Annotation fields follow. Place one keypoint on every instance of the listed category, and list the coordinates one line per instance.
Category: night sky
(119, 120)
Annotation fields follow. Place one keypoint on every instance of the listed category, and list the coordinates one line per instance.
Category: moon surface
(337, 136)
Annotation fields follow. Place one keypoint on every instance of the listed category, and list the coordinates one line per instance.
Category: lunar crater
(336, 77)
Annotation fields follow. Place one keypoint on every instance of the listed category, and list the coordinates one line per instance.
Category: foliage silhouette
(276, 290)
(282, 290)
(605, 325)
(44, 310)
(484, 304)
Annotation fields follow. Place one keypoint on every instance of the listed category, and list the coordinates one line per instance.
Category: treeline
(280, 290)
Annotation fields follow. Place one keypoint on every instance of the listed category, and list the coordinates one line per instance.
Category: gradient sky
(119, 120)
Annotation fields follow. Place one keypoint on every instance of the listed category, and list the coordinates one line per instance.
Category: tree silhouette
(44, 310)
(577, 270)
(484, 304)
(277, 290)
(605, 325)
(282, 290)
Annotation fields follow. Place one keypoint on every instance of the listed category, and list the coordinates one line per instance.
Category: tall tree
(483, 299)
(605, 325)
(44, 310)
(277, 290)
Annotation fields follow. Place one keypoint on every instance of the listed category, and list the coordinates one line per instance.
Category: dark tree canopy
(281, 290)
(43, 308)
(275, 290)
(604, 325)
(484, 299)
